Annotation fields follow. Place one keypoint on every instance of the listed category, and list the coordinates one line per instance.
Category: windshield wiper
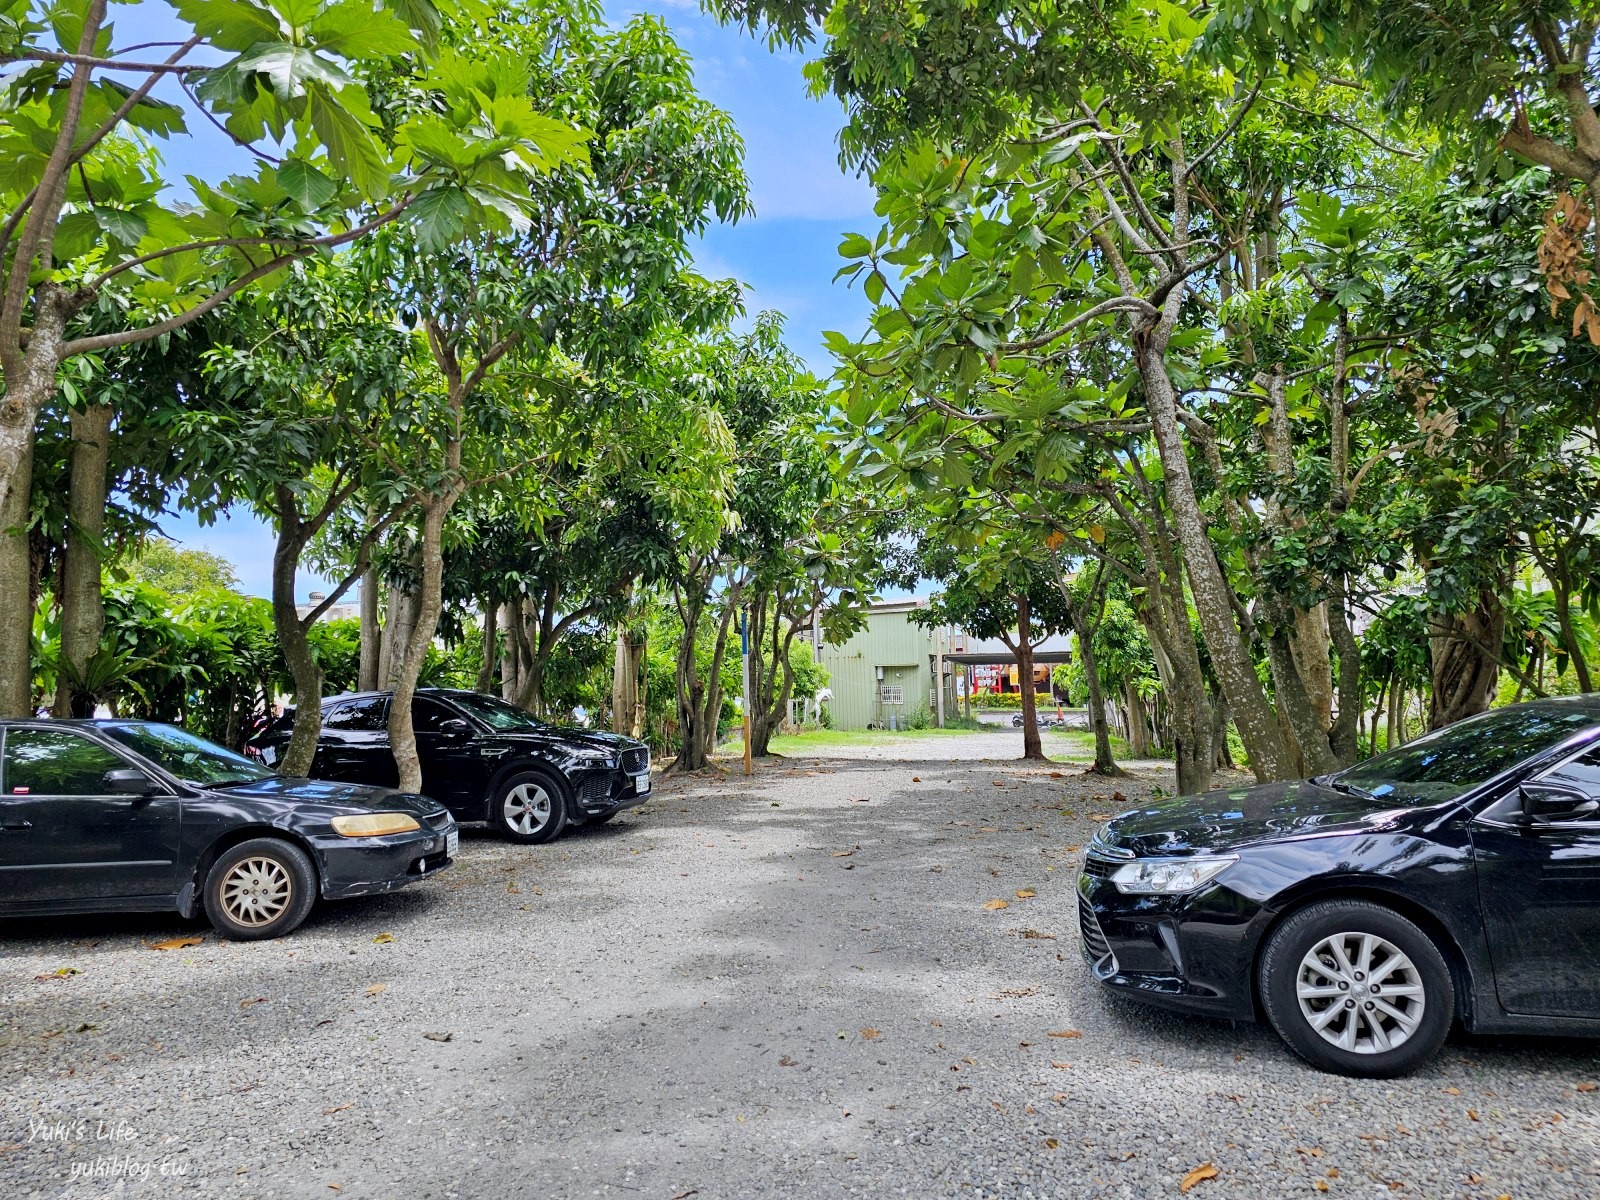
(1350, 789)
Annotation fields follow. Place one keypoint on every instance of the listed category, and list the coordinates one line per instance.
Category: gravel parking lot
(796, 986)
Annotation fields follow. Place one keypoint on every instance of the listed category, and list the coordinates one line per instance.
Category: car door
(354, 746)
(1539, 886)
(64, 836)
(452, 767)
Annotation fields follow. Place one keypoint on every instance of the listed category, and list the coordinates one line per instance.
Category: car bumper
(1184, 952)
(601, 793)
(368, 866)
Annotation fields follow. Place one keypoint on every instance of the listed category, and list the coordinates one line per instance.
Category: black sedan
(130, 816)
(482, 758)
(1456, 878)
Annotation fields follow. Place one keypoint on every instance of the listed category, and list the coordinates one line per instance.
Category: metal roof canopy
(988, 658)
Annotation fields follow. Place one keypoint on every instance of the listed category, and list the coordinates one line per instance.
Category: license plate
(452, 843)
(641, 784)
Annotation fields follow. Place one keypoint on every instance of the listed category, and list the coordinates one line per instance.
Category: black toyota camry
(101, 816)
(1363, 912)
(482, 758)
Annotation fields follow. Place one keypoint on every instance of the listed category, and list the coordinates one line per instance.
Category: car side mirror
(455, 727)
(1548, 803)
(128, 781)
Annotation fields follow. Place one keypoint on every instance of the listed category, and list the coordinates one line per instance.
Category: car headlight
(374, 824)
(1169, 876)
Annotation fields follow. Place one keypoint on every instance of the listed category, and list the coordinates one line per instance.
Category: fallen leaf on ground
(1588, 1087)
(60, 973)
(996, 905)
(786, 1061)
(686, 1195)
(328, 1112)
(999, 783)
(85, 1028)
(1119, 798)
(252, 1000)
(869, 1033)
(335, 1187)
(438, 1037)
(842, 853)
(1016, 993)
(177, 943)
(1062, 1066)
(1058, 774)
(1064, 1033)
(1321, 1185)
(1197, 1176)
(376, 988)
(1472, 1114)
(1452, 1091)
(1051, 1144)
(1026, 893)
(916, 779)
(384, 939)
(1034, 935)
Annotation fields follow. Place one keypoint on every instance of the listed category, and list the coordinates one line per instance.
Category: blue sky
(785, 255)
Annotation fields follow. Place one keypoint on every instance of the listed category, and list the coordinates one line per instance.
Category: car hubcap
(256, 891)
(527, 808)
(1360, 993)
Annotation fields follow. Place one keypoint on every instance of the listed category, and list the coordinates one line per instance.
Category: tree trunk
(1104, 762)
(510, 655)
(1395, 710)
(16, 569)
(1257, 723)
(491, 644)
(625, 682)
(1221, 752)
(425, 621)
(83, 613)
(1138, 724)
(1464, 651)
(293, 640)
(367, 674)
(691, 738)
(1032, 747)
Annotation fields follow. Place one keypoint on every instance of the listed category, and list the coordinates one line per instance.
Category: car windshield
(189, 758)
(494, 712)
(1443, 765)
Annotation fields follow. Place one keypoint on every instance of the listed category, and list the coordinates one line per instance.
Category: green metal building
(886, 670)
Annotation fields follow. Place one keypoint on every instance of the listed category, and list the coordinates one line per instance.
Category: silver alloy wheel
(257, 890)
(527, 808)
(1360, 993)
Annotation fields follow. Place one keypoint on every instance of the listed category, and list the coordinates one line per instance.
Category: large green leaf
(233, 25)
(439, 215)
(307, 186)
(292, 69)
(349, 143)
(353, 30)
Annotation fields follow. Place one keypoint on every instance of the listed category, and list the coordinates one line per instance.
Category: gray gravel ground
(790, 987)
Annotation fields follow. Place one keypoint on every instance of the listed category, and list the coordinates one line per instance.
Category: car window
(369, 715)
(49, 762)
(191, 759)
(1582, 773)
(1443, 765)
(427, 715)
(495, 712)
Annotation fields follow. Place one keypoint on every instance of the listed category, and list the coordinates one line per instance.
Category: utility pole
(938, 671)
(744, 654)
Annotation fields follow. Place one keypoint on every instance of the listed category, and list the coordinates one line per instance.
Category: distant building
(887, 671)
(336, 612)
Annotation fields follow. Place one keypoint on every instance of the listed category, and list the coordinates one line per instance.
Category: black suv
(482, 758)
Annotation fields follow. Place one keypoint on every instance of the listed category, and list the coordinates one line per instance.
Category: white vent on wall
(893, 695)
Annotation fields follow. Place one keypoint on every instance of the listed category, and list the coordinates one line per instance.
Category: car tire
(260, 889)
(1315, 976)
(529, 807)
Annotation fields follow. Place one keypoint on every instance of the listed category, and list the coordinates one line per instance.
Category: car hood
(334, 795)
(566, 735)
(1229, 819)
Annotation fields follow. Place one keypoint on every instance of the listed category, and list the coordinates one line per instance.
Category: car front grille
(636, 762)
(594, 789)
(1098, 868)
(1095, 945)
(438, 820)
